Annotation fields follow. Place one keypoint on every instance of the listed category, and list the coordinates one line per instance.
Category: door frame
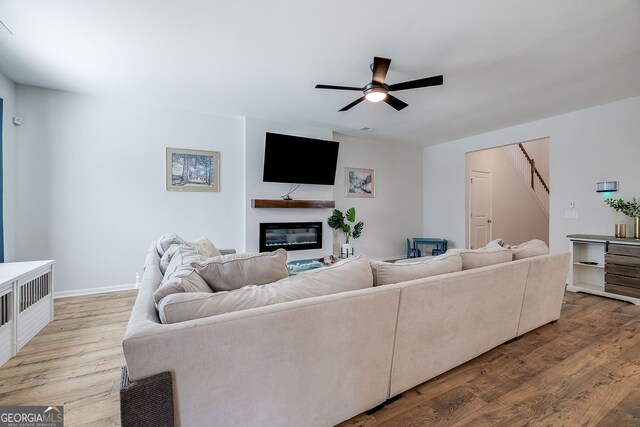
(468, 213)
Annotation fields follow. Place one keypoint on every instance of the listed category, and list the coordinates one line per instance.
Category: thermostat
(605, 186)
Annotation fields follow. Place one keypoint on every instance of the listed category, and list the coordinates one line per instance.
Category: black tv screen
(298, 160)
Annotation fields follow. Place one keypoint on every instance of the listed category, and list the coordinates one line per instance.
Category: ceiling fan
(378, 90)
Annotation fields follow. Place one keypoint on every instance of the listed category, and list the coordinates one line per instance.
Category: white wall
(91, 177)
(396, 211)
(8, 94)
(516, 215)
(255, 131)
(587, 146)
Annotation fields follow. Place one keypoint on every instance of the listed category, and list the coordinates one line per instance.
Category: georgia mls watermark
(31, 416)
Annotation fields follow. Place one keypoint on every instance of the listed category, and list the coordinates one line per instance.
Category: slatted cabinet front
(622, 270)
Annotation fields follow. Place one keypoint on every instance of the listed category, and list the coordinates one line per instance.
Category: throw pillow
(183, 255)
(203, 246)
(167, 256)
(385, 273)
(229, 272)
(347, 275)
(166, 240)
(179, 268)
(495, 244)
(184, 279)
(414, 260)
(528, 249)
(474, 258)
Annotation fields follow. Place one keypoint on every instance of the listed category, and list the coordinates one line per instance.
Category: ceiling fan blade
(380, 68)
(338, 87)
(395, 102)
(354, 103)
(414, 84)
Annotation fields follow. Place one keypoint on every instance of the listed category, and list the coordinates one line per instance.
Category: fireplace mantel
(293, 204)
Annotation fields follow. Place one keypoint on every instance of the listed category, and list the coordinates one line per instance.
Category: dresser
(605, 265)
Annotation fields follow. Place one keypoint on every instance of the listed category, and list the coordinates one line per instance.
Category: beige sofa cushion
(180, 275)
(203, 246)
(414, 260)
(183, 255)
(166, 240)
(385, 273)
(347, 275)
(491, 254)
(229, 272)
(167, 256)
(528, 249)
(184, 279)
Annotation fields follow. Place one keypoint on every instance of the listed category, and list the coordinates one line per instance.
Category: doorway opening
(507, 193)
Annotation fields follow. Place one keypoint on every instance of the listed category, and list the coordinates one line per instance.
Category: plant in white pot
(344, 222)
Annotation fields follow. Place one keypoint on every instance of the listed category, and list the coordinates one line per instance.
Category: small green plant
(342, 222)
(631, 208)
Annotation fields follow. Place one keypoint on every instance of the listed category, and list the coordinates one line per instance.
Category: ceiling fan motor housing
(376, 87)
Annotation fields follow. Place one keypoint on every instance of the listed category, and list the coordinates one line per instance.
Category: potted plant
(631, 209)
(343, 222)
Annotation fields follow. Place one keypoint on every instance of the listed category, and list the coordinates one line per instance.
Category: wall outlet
(571, 214)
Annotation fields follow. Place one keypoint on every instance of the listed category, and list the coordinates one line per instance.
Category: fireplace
(292, 236)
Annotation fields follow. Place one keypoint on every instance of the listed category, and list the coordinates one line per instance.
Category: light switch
(571, 214)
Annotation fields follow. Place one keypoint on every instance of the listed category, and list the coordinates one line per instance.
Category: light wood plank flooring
(74, 361)
(582, 370)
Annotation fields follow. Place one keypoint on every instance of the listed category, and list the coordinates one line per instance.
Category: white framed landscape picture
(360, 182)
(192, 170)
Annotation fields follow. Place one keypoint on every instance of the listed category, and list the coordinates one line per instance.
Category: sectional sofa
(321, 360)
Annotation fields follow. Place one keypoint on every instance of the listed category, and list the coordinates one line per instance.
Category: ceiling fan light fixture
(378, 90)
(376, 95)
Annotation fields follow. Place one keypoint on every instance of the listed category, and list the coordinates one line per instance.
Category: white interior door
(479, 208)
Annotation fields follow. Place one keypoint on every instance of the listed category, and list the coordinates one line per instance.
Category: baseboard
(91, 291)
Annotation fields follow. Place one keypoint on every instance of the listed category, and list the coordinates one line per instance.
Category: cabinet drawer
(622, 290)
(622, 260)
(624, 250)
(615, 279)
(622, 270)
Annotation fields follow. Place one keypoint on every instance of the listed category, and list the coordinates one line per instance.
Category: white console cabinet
(26, 303)
(600, 266)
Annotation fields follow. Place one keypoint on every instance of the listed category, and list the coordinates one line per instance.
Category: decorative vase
(346, 250)
(636, 228)
(621, 230)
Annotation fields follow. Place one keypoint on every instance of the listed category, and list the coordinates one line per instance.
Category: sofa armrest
(544, 291)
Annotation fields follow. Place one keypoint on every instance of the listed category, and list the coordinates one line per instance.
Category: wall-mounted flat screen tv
(297, 160)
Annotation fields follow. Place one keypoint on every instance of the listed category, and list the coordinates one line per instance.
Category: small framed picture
(192, 170)
(360, 182)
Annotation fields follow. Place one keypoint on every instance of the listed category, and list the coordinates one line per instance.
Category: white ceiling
(504, 61)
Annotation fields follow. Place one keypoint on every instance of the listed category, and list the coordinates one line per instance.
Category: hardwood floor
(582, 370)
(75, 361)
